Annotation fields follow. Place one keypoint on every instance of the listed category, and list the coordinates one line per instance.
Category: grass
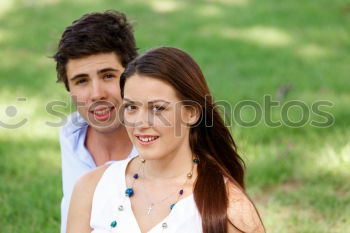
(246, 48)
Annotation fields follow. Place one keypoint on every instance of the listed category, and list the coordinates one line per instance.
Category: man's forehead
(93, 63)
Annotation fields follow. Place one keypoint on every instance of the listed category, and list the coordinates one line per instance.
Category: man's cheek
(79, 102)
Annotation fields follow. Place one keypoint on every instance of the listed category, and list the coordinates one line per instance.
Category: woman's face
(156, 120)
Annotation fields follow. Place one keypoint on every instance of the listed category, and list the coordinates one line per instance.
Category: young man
(91, 56)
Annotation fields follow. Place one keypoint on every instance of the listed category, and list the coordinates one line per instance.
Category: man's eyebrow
(109, 69)
(79, 76)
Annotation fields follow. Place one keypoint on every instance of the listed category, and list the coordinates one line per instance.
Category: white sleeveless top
(110, 204)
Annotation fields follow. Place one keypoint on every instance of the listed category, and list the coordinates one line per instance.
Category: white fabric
(110, 194)
(76, 159)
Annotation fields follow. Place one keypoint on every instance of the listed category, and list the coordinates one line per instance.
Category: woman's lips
(146, 139)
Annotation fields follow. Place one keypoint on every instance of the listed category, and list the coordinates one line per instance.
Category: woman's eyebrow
(158, 100)
(129, 100)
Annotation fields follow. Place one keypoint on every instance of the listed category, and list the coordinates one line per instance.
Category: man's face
(94, 86)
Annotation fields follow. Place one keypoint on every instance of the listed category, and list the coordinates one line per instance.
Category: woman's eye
(130, 107)
(158, 108)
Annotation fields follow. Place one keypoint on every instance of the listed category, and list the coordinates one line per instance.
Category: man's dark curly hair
(95, 33)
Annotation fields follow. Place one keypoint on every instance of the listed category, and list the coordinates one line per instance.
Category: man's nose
(98, 91)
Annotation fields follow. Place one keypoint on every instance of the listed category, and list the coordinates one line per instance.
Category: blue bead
(172, 206)
(136, 176)
(113, 224)
(129, 192)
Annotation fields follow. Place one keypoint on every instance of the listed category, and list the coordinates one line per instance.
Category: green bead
(113, 224)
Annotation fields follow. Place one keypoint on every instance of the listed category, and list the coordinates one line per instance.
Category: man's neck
(105, 147)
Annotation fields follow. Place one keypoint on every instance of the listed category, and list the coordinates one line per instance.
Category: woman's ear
(194, 114)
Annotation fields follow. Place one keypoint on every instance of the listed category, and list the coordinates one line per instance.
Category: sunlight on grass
(38, 129)
(39, 3)
(289, 218)
(260, 35)
(209, 11)
(336, 160)
(231, 2)
(5, 5)
(32, 129)
(165, 6)
(312, 51)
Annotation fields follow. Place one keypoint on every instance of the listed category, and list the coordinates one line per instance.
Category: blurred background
(291, 50)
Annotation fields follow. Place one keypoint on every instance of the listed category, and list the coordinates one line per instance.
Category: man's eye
(80, 81)
(108, 76)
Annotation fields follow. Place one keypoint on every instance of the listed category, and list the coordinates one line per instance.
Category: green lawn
(298, 177)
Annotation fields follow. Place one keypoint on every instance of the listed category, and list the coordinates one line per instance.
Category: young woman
(188, 176)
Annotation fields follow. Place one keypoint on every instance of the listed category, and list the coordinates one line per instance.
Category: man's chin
(104, 128)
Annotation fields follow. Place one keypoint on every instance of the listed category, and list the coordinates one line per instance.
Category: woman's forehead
(148, 89)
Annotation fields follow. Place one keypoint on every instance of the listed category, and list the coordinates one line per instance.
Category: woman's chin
(149, 156)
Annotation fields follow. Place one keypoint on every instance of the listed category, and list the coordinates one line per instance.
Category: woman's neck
(171, 167)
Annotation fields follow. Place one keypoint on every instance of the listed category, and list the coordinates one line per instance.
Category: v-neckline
(132, 212)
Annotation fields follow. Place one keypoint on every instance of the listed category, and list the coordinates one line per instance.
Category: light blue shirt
(76, 159)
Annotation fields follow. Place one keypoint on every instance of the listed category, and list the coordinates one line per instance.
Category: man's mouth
(102, 114)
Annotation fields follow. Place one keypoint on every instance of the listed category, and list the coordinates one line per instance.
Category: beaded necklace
(129, 192)
(179, 190)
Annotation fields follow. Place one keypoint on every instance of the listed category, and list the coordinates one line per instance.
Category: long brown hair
(210, 139)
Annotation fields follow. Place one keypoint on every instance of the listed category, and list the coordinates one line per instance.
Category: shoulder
(84, 189)
(241, 212)
(81, 201)
(88, 182)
